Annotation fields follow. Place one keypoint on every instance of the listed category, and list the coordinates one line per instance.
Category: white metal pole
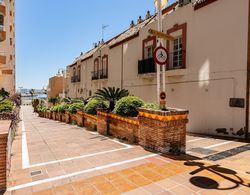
(158, 44)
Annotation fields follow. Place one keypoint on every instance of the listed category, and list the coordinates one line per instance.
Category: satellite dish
(163, 3)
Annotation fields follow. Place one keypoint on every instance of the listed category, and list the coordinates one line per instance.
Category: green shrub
(41, 108)
(62, 107)
(127, 106)
(35, 103)
(54, 108)
(93, 105)
(152, 106)
(6, 106)
(73, 108)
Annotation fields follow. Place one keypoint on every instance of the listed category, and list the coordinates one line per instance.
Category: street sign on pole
(160, 55)
(160, 34)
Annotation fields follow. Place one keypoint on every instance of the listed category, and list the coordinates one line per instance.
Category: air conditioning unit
(184, 2)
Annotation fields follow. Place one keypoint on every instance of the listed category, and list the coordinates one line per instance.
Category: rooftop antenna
(103, 29)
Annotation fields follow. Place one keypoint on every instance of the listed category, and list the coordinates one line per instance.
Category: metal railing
(100, 74)
(146, 66)
(75, 79)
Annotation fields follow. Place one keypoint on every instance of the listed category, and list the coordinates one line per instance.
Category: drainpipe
(122, 67)
(248, 79)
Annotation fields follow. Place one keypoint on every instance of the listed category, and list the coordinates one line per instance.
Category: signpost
(160, 34)
(160, 53)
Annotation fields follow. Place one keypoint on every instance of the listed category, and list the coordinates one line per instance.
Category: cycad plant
(111, 94)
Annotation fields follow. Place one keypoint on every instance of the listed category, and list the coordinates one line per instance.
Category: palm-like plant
(111, 94)
(3, 94)
(32, 92)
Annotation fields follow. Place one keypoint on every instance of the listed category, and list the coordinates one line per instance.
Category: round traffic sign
(163, 95)
(161, 55)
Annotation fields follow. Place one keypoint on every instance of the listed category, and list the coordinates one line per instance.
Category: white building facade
(207, 70)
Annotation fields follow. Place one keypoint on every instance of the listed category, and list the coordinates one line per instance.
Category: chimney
(139, 20)
(148, 15)
(132, 24)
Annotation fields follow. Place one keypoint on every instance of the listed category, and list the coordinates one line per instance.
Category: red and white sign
(161, 55)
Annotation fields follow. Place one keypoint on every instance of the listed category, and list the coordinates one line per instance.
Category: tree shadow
(208, 183)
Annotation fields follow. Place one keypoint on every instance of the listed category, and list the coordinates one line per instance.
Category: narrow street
(50, 157)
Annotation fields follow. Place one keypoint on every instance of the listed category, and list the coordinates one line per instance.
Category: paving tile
(153, 188)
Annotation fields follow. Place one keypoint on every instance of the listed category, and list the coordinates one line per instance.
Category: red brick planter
(90, 121)
(5, 145)
(67, 116)
(54, 115)
(117, 126)
(163, 131)
(80, 118)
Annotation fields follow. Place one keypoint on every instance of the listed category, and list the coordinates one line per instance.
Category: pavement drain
(202, 151)
(35, 173)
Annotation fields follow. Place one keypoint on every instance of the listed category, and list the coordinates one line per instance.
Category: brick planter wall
(73, 118)
(4, 161)
(67, 116)
(163, 131)
(90, 121)
(117, 126)
(57, 116)
(102, 122)
(80, 118)
(54, 115)
(63, 118)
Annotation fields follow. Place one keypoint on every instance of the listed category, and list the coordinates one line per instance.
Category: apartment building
(56, 86)
(208, 66)
(7, 45)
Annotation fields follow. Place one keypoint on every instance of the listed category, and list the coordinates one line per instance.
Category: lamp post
(160, 4)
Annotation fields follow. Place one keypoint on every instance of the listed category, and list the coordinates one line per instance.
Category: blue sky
(51, 33)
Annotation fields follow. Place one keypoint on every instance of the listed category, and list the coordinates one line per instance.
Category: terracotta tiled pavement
(66, 159)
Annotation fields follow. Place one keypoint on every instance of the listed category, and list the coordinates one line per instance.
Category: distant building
(7, 46)
(55, 87)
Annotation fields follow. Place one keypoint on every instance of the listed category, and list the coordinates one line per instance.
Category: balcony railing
(75, 79)
(100, 74)
(95, 75)
(103, 74)
(146, 66)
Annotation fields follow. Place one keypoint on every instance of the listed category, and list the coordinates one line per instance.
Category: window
(148, 47)
(74, 71)
(148, 52)
(177, 53)
(1, 22)
(177, 47)
(11, 41)
(96, 65)
(79, 73)
(104, 67)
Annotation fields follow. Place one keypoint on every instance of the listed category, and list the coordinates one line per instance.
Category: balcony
(103, 74)
(95, 75)
(2, 8)
(2, 58)
(2, 33)
(75, 79)
(100, 74)
(146, 66)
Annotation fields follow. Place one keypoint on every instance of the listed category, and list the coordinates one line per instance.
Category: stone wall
(80, 118)
(163, 131)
